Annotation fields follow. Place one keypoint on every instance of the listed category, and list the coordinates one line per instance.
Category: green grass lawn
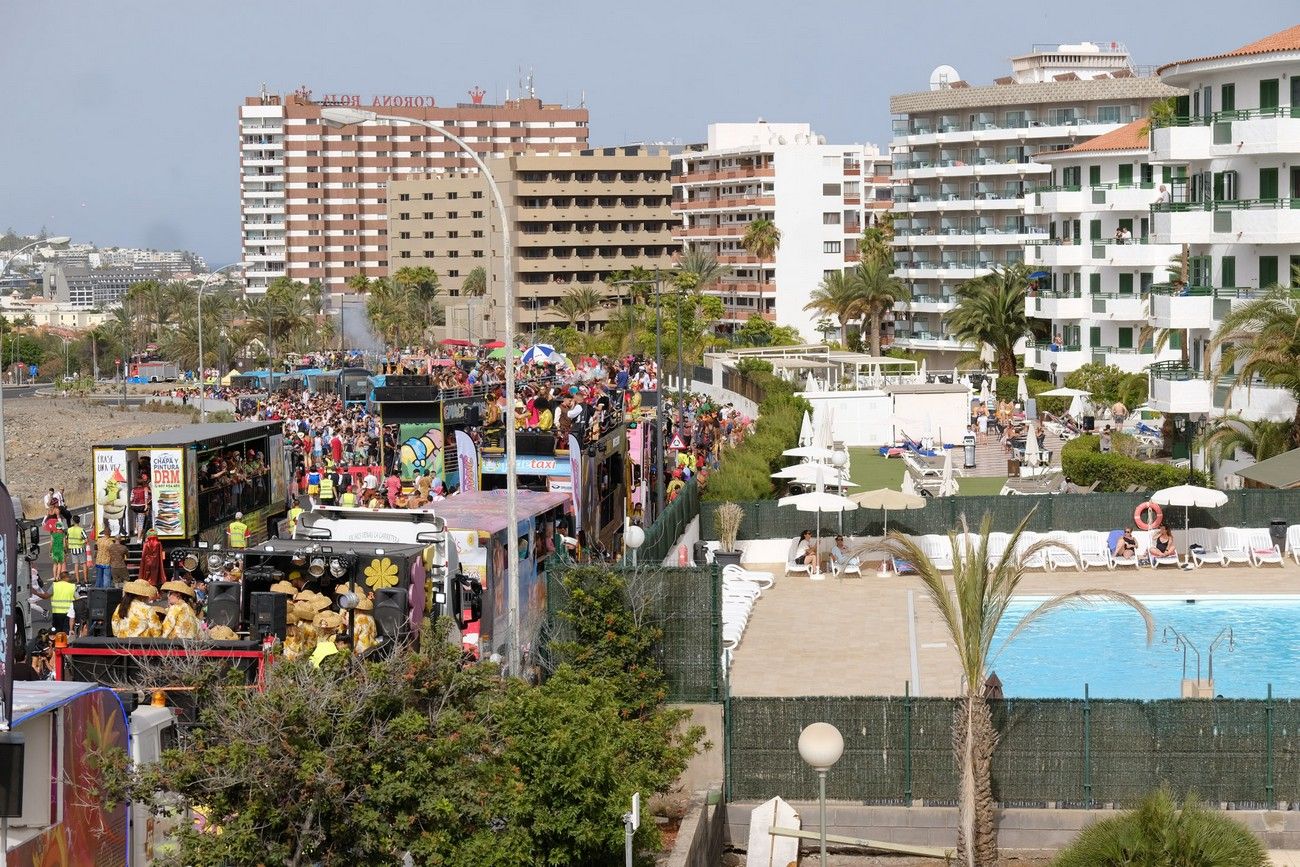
(872, 471)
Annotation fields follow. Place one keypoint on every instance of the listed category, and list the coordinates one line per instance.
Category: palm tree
(576, 304)
(1261, 339)
(990, 312)
(1261, 439)
(475, 283)
(422, 284)
(699, 263)
(838, 297)
(1161, 831)
(971, 610)
(761, 240)
(877, 241)
(389, 311)
(877, 290)
(98, 336)
(621, 332)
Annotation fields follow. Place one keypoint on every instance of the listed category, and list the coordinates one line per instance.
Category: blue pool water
(1104, 646)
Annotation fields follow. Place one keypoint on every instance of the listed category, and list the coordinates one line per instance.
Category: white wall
(867, 418)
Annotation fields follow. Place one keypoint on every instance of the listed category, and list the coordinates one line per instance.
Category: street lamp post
(203, 384)
(341, 116)
(58, 239)
(821, 745)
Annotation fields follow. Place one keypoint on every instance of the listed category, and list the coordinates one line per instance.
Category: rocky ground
(48, 440)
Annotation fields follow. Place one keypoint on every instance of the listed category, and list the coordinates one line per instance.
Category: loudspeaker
(12, 746)
(80, 611)
(103, 600)
(268, 615)
(390, 610)
(466, 599)
(223, 604)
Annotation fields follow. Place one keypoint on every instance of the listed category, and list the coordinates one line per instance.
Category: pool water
(1104, 646)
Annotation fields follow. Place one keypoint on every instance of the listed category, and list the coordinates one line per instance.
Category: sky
(121, 117)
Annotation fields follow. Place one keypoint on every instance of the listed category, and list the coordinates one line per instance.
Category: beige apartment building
(574, 221)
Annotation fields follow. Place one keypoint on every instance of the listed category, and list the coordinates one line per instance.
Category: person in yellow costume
(365, 633)
(134, 617)
(327, 625)
(181, 621)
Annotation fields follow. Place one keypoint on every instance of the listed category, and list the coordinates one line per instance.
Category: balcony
(1244, 221)
(930, 303)
(1050, 254)
(1118, 308)
(724, 203)
(1255, 133)
(1179, 144)
(1067, 359)
(1195, 311)
(709, 232)
(1057, 200)
(1177, 388)
(727, 175)
(1063, 306)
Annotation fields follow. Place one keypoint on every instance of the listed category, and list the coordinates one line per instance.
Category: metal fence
(661, 535)
(738, 383)
(1068, 753)
(764, 519)
(685, 603)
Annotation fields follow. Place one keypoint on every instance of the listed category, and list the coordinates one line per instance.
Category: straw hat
(304, 611)
(328, 620)
(222, 633)
(340, 589)
(364, 603)
(284, 587)
(140, 588)
(179, 587)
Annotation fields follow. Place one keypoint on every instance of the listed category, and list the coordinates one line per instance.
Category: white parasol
(1188, 496)
(806, 430)
(819, 501)
(1022, 390)
(815, 452)
(887, 500)
(815, 474)
(948, 485)
(1032, 457)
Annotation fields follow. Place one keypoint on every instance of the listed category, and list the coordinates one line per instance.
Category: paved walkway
(850, 636)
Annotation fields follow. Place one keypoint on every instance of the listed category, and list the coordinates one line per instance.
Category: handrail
(1227, 205)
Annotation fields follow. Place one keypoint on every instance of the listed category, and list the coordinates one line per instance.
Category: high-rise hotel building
(313, 198)
(964, 161)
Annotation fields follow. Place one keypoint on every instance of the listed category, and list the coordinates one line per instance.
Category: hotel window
(406, 254)
(478, 215)
(477, 194)
(404, 197)
(428, 254)
(830, 189)
(453, 254)
(830, 246)
(453, 234)
(1108, 114)
(453, 273)
(451, 195)
(428, 215)
(404, 235)
(831, 218)
(428, 234)
(477, 233)
(428, 197)
(451, 215)
(478, 254)
(404, 216)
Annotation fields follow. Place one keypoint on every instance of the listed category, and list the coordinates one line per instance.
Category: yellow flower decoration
(381, 573)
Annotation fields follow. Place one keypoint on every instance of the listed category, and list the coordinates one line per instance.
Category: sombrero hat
(140, 588)
(179, 587)
(222, 633)
(284, 587)
(328, 620)
(304, 611)
(364, 603)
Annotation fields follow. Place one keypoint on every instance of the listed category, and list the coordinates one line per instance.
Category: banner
(8, 599)
(467, 462)
(166, 476)
(575, 470)
(111, 490)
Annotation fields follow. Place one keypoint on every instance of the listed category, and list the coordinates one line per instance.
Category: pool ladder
(1183, 643)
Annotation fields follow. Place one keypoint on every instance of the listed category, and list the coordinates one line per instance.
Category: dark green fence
(686, 604)
(664, 533)
(764, 519)
(898, 750)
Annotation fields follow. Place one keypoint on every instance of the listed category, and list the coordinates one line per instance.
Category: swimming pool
(1104, 646)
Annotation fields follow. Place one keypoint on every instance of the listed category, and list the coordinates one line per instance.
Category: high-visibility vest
(61, 597)
(326, 488)
(76, 536)
(348, 499)
(293, 518)
(238, 534)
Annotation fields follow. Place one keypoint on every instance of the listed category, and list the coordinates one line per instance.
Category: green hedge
(1006, 390)
(1083, 462)
(745, 472)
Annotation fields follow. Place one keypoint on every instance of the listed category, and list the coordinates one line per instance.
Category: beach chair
(1261, 547)
(1142, 538)
(1157, 560)
(762, 579)
(1094, 550)
(793, 567)
(938, 549)
(1233, 547)
(1062, 555)
(998, 543)
(1209, 541)
(1037, 560)
(1293, 542)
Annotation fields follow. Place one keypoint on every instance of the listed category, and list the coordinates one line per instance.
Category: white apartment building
(1098, 265)
(820, 196)
(964, 162)
(1233, 151)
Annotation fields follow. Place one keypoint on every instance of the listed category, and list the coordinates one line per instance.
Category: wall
(705, 770)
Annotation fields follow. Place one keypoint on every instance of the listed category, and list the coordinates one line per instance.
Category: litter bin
(1089, 423)
(1013, 468)
(700, 553)
(968, 447)
(1277, 530)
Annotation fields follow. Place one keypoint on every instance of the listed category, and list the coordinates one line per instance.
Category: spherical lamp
(821, 745)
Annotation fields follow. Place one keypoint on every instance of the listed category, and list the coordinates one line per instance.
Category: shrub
(1006, 390)
(744, 473)
(1084, 464)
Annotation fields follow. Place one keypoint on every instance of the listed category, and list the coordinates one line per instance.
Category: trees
(1161, 831)
(836, 296)
(422, 283)
(877, 241)
(761, 240)
(1261, 340)
(703, 266)
(475, 283)
(575, 305)
(1261, 439)
(876, 290)
(971, 612)
(758, 331)
(990, 312)
(1107, 384)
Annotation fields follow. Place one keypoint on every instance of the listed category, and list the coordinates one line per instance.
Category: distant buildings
(84, 288)
(314, 199)
(820, 196)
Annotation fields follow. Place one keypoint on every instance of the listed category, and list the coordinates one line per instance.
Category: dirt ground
(48, 440)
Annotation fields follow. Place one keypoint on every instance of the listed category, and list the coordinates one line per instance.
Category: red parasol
(456, 341)
(494, 344)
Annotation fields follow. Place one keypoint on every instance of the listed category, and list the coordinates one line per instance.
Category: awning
(1282, 471)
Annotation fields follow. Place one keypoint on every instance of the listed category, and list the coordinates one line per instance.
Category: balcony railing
(1227, 115)
(901, 129)
(1203, 291)
(1227, 205)
(1175, 371)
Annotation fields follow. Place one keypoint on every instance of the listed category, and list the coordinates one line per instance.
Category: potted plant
(727, 522)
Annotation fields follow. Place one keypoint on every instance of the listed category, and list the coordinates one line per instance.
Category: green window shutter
(1094, 337)
(1268, 183)
(1268, 93)
(1094, 284)
(1126, 175)
(1126, 338)
(1228, 97)
(1094, 176)
(1126, 284)
(1267, 271)
(1094, 230)
(1166, 174)
(1175, 340)
(1218, 186)
(1228, 271)
(1293, 275)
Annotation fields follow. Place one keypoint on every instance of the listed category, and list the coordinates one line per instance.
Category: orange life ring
(1139, 515)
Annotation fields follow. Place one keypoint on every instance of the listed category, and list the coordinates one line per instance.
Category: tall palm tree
(703, 265)
(990, 312)
(475, 283)
(622, 330)
(761, 240)
(877, 241)
(876, 290)
(1261, 339)
(1261, 439)
(390, 312)
(422, 284)
(576, 304)
(971, 610)
(838, 297)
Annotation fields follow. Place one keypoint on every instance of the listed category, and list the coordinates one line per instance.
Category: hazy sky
(120, 121)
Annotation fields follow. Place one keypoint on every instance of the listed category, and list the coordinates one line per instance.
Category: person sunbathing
(1164, 546)
(1126, 545)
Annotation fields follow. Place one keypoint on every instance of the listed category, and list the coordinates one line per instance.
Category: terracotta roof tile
(1131, 136)
(1283, 40)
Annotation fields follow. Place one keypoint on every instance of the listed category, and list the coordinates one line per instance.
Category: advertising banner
(575, 470)
(166, 477)
(8, 599)
(527, 465)
(191, 493)
(278, 466)
(111, 491)
(467, 462)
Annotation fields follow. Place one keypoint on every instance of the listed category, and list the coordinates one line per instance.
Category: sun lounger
(1062, 554)
(1208, 540)
(1094, 550)
(1293, 542)
(1262, 549)
(1233, 545)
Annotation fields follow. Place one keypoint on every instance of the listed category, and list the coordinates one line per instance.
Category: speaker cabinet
(223, 604)
(102, 602)
(12, 746)
(268, 615)
(390, 611)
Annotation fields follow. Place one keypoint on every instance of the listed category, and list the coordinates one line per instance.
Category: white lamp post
(203, 407)
(349, 116)
(633, 538)
(821, 745)
(58, 239)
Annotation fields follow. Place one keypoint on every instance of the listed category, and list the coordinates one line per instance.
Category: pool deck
(850, 636)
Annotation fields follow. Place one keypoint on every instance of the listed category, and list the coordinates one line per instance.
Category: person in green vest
(77, 551)
(62, 593)
(327, 488)
(292, 521)
(237, 532)
(349, 498)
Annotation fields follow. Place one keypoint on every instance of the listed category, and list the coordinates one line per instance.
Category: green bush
(1108, 384)
(1006, 390)
(744, 473)
(1084, 464)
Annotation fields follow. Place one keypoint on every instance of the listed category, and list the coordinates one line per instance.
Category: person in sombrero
(134, 617)
(181, 622)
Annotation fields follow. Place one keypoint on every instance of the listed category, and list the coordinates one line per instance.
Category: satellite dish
(821, 139)
(943, 76)
(800, 138)
(781, 140)
(771, 139)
